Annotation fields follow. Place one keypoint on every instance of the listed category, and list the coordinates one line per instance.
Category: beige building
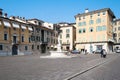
(44, 37)
(67, 36)
(15, 36)
(116, 34)
(94, 30)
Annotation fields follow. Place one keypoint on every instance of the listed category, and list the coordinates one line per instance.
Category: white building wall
(94, 48)
(48, 25)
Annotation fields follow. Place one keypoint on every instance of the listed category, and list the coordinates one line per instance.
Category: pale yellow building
(67, 36)
(116, 34)
(94, 30)
(14, 36)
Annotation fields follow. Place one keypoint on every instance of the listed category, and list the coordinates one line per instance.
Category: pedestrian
(104, 53)
(101, 53)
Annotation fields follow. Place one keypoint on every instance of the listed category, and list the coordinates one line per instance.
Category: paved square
(35, 68)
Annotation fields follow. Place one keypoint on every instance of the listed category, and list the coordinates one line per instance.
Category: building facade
(67, 36)
(44, 36)
(94, 30)
(116, 34)
(20, 36)
(15, 36)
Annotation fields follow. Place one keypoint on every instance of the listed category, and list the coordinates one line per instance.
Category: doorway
(14, 50)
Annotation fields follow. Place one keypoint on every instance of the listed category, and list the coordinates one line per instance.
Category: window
(26, 48)
(80, 23)
(91, 22)
(67, 30)
(98, 20)
(84, 30)
(23, 30)
(84, 23)
(91, 29)
(67, 41)
(80, 31)
(29, 39)
(114, 29)
(98, 14)
(37, 47)
(5, 36)
(99, 28)
(1, 47)
(22, 38)
(119, 28)
(60, 41)
(104, 13)
(91, 16)
(5, 27)
(14, 29)
(61, 36)
(115, 35)
(32, 38)
(35, 21)
(103, 28)
(32, 47)
(67, 35)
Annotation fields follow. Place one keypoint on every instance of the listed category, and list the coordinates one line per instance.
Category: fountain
(57, 54)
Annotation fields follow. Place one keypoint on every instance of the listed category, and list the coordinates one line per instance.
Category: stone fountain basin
(58, 53)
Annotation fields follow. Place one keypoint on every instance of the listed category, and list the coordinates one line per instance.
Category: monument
(59, 53)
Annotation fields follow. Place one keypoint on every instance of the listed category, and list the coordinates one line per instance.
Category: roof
(35, 19)
(117, 20)
(96, 11)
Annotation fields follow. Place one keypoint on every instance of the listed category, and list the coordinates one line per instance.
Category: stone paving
(36, 68)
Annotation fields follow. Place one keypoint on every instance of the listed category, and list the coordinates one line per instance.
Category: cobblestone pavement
(36, 68)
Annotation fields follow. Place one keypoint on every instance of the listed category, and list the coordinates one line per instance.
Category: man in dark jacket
(101, 53)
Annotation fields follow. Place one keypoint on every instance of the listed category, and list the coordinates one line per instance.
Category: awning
(29, 28)
(23, 27)
(15, 25)
(6, 23)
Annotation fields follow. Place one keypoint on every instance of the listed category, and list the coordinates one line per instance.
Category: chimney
(86, 10)
(18, 17)
(23, 18)
(1, 12)
(5, 15)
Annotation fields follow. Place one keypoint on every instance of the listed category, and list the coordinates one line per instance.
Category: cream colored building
(67, 36)
(15, 36)
(94, 30)
(116, 34)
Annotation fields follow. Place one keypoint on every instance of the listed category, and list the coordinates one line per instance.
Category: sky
(55, 11)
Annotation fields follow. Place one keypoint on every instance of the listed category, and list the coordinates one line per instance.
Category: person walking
(101, 53)
(104, 53)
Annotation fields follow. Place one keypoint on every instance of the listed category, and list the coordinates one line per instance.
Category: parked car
(118, 51)
(75, 52)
